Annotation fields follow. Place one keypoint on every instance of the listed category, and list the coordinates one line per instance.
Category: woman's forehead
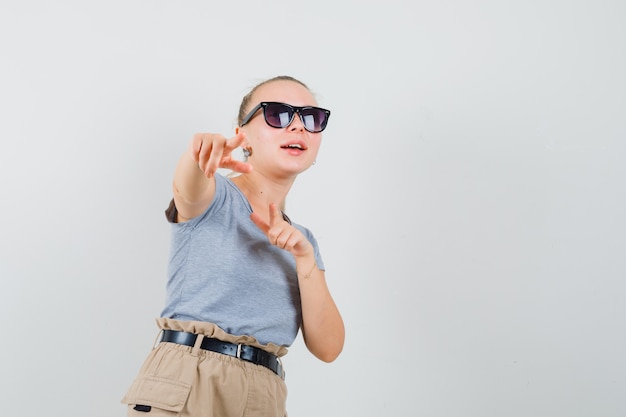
(289, 92)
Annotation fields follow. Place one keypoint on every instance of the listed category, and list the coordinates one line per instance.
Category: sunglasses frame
(295, 109)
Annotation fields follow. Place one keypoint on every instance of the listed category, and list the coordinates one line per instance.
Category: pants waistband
(243, 352)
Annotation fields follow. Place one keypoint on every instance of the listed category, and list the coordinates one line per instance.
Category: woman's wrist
(306, 266)
(308, 274)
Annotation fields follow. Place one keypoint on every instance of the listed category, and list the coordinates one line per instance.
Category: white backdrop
(469, 196)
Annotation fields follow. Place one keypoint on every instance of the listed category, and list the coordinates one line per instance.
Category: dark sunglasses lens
(278, 115)
(314, 119)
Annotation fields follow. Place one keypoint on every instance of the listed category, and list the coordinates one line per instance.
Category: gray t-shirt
(223, 270)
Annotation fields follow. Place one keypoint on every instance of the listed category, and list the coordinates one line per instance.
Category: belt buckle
(238, 354)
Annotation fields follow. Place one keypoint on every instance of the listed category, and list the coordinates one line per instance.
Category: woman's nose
(296, 123)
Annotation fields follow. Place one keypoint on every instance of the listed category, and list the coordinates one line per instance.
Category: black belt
(244, 352)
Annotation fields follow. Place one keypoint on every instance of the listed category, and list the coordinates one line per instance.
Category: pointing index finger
(235, 141)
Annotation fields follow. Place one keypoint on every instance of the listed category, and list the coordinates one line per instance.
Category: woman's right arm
(194, 177)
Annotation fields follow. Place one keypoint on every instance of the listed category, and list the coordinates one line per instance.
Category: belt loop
(282, 368)
(157, 339)
(197, 344)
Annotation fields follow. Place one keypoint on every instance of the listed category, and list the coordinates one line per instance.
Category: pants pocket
(151, 396)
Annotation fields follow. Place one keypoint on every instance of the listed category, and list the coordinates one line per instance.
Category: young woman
(242, 279)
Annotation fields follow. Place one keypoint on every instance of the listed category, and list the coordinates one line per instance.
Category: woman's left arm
(322, 326)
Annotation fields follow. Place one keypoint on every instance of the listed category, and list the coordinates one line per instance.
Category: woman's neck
(261, 191)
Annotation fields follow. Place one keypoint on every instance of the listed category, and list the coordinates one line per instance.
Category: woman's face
(281, 151)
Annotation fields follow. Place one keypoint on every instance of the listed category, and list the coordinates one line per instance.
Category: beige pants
(183, 381)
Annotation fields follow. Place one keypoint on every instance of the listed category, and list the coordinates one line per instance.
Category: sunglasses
(280, 115)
